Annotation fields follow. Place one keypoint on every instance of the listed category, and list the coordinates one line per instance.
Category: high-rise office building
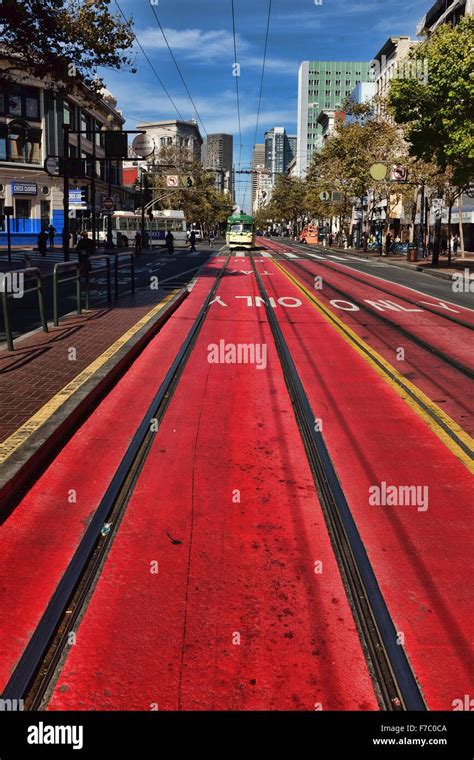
(280, 149)
(217, 150)
(258, 162)
(322, 85)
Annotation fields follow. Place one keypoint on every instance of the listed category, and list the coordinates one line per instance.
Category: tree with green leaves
(288, 201)
(63, 41)
(437, 115)
(202, 203)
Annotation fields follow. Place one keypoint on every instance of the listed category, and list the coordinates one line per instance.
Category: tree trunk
(461, 230)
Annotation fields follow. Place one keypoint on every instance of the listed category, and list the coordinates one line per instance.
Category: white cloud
(215, 46)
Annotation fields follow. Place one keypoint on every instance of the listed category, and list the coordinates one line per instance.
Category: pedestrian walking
(169, 240)
(51, 234)
(444, 246)
(85, 249)
(388, 243)
(456, 241)
(192, 240)
(211, 238)
(138, 243)
(42, 242)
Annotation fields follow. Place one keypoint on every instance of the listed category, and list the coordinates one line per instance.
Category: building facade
(322, 85)
(279, 150)
(217, 155)
(258, 162)
(183, 134)
(444, 12)
(32, 118)
(391, 62)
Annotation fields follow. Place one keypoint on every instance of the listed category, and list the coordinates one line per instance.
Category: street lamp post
(109, 242)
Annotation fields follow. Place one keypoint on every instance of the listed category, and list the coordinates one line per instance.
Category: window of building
(337, 82)
(22, 208)
(45, 213)
(31, 107)
(169, 141)
(328, 93)
(162, 140)
(337, 93)
(328, 82)
(22, 143)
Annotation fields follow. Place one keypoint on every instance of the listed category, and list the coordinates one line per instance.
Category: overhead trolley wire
(237, 82)
(152, 67)
(261, 84)
(178, 67)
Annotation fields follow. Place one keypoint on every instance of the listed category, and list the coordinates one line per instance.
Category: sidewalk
(52, 380)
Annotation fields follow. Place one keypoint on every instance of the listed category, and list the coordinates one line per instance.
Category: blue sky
(200, 34)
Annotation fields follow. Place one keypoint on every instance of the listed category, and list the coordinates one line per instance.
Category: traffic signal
(116, 144)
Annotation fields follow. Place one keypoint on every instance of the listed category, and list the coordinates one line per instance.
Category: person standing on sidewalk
(169, 240)
(85, 249)
(51, 234)
(388, 243)
(138, 243)
(192, 241)
(42, 242)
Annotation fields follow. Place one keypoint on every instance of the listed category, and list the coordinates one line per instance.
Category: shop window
(31, 108)
(22, 208)
(45, 213)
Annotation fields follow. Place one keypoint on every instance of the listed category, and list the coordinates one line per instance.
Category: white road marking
(290, 255)
(315, 256)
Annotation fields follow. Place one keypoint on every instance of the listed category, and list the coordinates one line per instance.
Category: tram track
(451, 361)
(394, 679)
(38, 663)
(348, 274)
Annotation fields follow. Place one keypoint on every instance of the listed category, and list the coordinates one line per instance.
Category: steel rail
(35, 669)
(395, 681)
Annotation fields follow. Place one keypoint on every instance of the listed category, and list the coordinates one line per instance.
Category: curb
(25, 464)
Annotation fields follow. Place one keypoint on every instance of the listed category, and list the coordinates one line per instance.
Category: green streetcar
(240, 231)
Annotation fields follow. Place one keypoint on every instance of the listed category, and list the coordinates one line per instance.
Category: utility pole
(66, 191)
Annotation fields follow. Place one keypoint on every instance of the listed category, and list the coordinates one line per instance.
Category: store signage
(24, 188)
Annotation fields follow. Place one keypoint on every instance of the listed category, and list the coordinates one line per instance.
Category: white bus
(125, 225)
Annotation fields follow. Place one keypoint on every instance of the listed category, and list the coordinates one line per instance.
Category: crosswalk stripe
(265, 255)
(290, 255)
(315, 256)
(339, 258)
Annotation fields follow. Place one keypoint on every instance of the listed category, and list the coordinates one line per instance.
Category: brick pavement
(41, 364)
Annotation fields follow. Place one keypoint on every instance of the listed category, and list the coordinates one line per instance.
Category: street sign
(108, 204)
(172, 180)
(378, 171)
(187, 180)
(143, 145)
(325, 195)
(398, 173)
(51, 165)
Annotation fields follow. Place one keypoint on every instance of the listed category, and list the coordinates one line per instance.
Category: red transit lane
(420, 551)
(439, 379)
(40, 536)
(221, 590)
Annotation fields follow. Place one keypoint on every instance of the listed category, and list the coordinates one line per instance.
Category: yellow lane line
(448, 431)
(21, 435)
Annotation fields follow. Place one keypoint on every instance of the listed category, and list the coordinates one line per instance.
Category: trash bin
(412, 251)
